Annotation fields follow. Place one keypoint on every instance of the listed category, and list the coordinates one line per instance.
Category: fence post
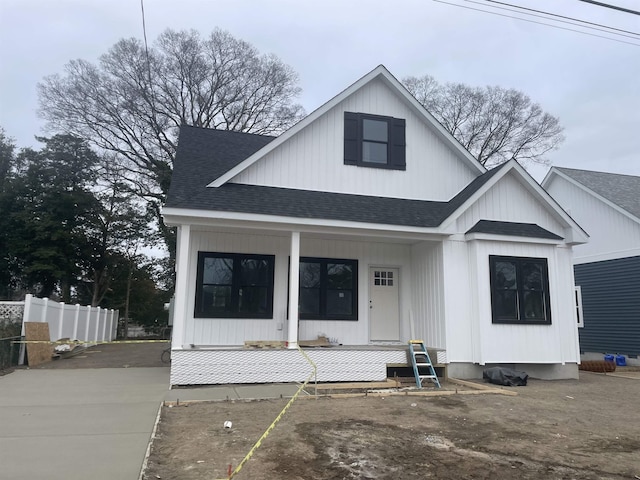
(76, 317)
(45, 307)
(110, 324)
(26, 313)
(60, 321)
(86, 328)
(104, 326)
(97, 324)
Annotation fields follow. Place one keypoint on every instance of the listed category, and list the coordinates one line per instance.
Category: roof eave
(184, 216)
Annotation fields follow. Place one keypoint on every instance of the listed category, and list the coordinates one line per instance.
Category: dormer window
(374, 141)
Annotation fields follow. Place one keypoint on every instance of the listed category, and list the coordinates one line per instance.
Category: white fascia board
(548, 178)
(450, 220)
(510, 238)
(573, 233)
(183, 216)
(601, 257)
(586, 189)
(390, 80)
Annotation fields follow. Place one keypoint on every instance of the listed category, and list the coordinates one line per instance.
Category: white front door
(384, 311)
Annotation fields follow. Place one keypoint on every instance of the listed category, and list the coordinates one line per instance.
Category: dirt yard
(586, 429)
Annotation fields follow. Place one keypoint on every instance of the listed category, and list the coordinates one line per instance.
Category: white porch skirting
(229, 366)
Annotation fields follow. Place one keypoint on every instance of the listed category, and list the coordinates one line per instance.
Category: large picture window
(519, 290)
(374, 141)
(328, 289)
(231, 285)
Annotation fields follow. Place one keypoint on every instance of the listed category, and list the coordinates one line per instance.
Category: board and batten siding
(220, 331)
(509, 201)
(313, 159)
(459, 296)
(474, 338)
(612, 234)
(610, 306)
(427, 289)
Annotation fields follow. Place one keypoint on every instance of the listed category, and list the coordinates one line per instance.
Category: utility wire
(539, 23)
(561, 21)
(562, 16)
(614, 7)
(146, 51)
(146, 47)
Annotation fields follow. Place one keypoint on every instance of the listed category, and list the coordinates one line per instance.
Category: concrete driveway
(78, 424)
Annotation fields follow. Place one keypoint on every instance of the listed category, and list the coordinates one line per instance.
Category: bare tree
(133, 101)
(494, 124)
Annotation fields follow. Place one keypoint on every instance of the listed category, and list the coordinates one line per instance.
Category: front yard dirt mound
(587, 429)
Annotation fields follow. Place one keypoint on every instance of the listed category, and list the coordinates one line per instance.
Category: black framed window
(374, 141)
(519, 290)
(233, 285)
(328, 289)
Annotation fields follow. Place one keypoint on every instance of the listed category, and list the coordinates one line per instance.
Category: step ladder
(420, 359)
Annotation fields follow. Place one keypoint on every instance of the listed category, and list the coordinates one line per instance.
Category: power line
(614, 7)
(562, 16)
(637, 37)
(539, 23)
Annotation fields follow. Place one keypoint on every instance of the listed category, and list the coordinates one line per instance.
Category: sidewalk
(75, 424)
(78, 424)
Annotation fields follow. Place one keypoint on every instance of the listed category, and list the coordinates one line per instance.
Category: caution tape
(277, 419)
(95, 342)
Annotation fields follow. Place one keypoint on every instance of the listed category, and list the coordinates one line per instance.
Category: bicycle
(165, 356)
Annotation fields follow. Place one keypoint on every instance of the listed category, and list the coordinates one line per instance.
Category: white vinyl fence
(75, 322)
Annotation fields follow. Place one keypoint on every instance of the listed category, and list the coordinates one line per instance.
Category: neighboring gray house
(369, 223)
(607, 269)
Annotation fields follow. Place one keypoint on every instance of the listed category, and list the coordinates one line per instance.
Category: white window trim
(578, 302)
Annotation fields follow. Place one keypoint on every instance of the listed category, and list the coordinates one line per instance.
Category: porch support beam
(294, 290)
(182, 281)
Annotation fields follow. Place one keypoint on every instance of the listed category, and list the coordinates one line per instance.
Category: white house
(369, 223)
(607, 269)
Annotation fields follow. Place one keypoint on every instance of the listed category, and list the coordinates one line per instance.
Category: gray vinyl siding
(611, 305)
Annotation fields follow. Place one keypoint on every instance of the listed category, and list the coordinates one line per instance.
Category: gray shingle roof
(204, 154)
(513, 229)
(622, 190)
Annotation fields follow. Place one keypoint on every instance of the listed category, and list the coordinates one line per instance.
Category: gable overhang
(510, 238)
(176, 217)
(553, 172)
(383, 74)
(573, 233)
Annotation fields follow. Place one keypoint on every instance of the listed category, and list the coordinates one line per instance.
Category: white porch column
(182, 281)
(294, 289)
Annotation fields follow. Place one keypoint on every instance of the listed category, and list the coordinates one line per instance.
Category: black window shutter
(351, 138)
(398, 144)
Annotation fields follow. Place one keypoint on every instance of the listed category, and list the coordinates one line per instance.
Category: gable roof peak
(379, 72)
(621, 190)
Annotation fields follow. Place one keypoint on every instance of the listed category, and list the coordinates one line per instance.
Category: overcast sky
(591, 83)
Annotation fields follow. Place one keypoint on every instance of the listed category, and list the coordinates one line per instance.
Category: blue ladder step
(421, 351)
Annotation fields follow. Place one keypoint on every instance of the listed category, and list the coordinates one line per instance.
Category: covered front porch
(377, 291)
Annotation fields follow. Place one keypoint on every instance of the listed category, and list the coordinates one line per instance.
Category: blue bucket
(621, 361)
(609, 358)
